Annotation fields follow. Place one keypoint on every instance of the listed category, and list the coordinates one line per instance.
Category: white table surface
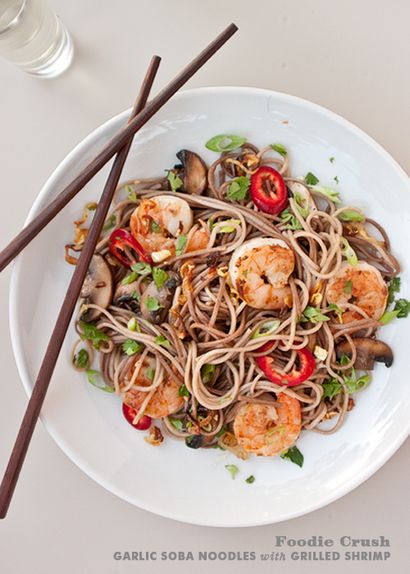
(349, 56)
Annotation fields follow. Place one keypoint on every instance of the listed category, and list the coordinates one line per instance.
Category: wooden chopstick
(57, 338)
(113, 147)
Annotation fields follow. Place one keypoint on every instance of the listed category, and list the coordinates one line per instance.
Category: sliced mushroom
(367, 352)
(97, 288)
(126, 296)
(194, 172)
(156, 301)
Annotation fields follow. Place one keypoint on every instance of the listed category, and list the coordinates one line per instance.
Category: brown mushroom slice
(194, 172)
(126, 296)
(367, 352)
(97, 288)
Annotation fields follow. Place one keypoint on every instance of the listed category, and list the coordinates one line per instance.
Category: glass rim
(14, 22)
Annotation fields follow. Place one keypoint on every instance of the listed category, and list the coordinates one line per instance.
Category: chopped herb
(152, 304)
(174, 181)
(95, 379)
(402, 307)
(250, 479)
(81, 359)
(183, 391)
(130, 347)
(354, 385)
(207, 372)
(135, 295)
(344, 360)
(141, 268)
(150, 373)
(394, 287)
(331, 159)
(328, 192)
(130, 278)
(291, 221)
(348, 286)
(131, 194)
(163, 341)
(351, 215)
(132, 325)
(228, 228)
(223, 142)
(159, 276)
(280, 148)
(221, 431)
(313, 315)
(311, 179)
(110, 222)
(348, 252)
(339, 312)
(238, 189)
(176, 423)
(232, 469)
(266, 329)
(92, 206)
(93, 334)
(302, 204)
(180, 244)
(388, 317)
(294, 455)
(155, 226)
(331, 388)
(336, 179)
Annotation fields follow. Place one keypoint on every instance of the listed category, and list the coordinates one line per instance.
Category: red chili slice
(297, 375)
(121, 238)
(268, 190)
(129, 413)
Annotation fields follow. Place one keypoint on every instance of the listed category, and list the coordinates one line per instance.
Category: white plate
(172, 480)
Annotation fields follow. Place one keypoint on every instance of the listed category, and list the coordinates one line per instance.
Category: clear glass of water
(34, 38)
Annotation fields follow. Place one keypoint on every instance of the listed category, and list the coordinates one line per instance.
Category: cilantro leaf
(331, 159)
(250, 479)
(294, 455)
(131, 347)
(394, 287)
(311, 179)
(331, 388)
(152, 304)
(339, 312)
(93, 334)
(176, 423)
(336, 179)
(238, 189)
(402, 307)
(183, 391)
(81, 359)
(174, 180)
(207, 372)
(159, 276)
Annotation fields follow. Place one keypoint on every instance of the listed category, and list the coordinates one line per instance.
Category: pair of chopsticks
(120, 144)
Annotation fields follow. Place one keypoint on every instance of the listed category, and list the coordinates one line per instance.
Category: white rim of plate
(41, 200)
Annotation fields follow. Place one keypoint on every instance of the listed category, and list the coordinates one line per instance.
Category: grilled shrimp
(157, 222)
(268, 430)
(165, 399)
(259, 270)
(362, 285)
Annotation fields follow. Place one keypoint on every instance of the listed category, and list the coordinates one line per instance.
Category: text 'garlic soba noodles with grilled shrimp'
(235, 305)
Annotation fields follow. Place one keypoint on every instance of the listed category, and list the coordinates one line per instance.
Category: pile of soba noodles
(234, 305)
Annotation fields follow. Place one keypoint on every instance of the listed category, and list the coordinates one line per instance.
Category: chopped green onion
(291, 221)
(336, 179)
(331, 159)
(228, 228)
(131, 347)
(224, 142)
(348, 252)
(348, 286)
(328, 192)
(232, 469)
(313, 315)
(110, 222)
(132, 324)
(141, 268)
(183, 391)
(280, 149)
(339, 312)
(176, 423)
(180, 244)
(152, 304)
(155, 226)
(351, 215)
(131, 194)
(266, 329)
(207, 372)
(163, 341)
(94, 378)
(250, 479)
(150, 373)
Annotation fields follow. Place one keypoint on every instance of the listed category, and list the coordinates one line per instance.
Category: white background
(351, 56)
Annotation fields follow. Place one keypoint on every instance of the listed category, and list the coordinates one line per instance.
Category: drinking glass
(34, 38)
